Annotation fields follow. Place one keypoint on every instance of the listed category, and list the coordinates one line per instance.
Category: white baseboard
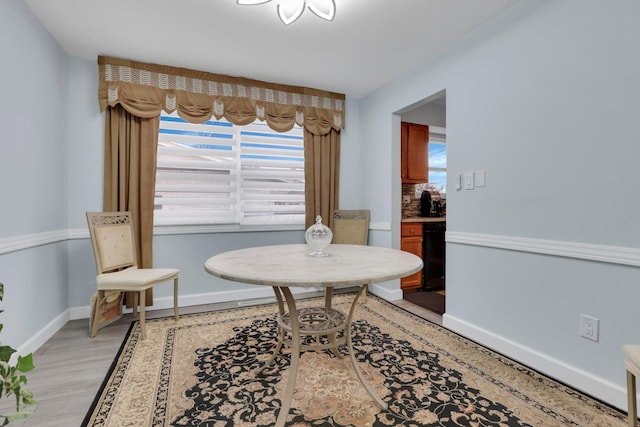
(385, 293)
(41, 337)
(598, 387)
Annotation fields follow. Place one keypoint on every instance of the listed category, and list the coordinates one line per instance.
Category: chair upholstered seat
(632, 365)
(135, 279)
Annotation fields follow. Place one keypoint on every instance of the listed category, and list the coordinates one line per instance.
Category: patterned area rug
(200, 372)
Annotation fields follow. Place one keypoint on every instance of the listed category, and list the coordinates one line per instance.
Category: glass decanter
(318, 237)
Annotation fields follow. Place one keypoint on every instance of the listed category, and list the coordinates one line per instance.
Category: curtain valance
(145, 89)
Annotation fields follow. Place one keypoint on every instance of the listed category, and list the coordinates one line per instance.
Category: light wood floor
(70, 367)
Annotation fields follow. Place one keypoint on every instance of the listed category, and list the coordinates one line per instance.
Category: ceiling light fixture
(290, 10)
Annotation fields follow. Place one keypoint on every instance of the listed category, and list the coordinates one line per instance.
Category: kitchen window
(220, 173)
(438, 158)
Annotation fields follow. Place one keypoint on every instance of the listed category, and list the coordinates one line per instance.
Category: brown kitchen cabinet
(411, 241)
(414, 153)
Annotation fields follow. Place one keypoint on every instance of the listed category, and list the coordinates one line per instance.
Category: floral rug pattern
(200, 371)
(420, 390)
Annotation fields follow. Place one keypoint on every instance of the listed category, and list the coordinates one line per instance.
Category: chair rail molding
(26, 241)
(584, 251)
(380, 225)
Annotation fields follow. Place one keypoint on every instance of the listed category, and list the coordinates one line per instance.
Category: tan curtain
(145, 89)
(322, 167)
(130, 174)
(134, 93)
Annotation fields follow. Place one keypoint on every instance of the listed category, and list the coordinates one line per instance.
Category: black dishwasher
(433, 256)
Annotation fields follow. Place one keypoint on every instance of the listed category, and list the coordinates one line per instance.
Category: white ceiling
(368, 43)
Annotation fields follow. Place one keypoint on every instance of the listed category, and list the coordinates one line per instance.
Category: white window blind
(219, 173)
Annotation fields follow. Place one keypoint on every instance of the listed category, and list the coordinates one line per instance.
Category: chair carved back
(113, 240)
(351, 227)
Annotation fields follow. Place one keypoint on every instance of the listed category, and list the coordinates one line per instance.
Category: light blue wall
(548, 108)
(546, 99)
(85, 144)
(34, 104)
(33, 164)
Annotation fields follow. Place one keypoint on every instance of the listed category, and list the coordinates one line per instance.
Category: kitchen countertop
(425, 219)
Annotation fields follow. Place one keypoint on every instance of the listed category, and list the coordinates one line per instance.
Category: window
(220, 173)
(438, 158)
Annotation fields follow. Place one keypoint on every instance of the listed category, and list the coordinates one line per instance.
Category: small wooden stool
(632, 364)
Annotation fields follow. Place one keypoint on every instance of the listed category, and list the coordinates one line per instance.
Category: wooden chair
(114, 249)
(632, 364)
(351, 227)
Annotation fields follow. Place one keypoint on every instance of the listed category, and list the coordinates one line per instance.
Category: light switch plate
(468, 180)
(458, 182)
(480, 178)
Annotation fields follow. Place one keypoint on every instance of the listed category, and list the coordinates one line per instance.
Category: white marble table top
(291, 265)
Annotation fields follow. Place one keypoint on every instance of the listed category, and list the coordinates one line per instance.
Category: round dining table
(286, 266)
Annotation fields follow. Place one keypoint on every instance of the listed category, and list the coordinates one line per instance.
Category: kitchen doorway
(430, 293)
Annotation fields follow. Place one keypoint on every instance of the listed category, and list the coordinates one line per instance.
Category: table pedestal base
(317, 322)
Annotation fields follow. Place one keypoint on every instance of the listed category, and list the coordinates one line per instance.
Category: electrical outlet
(406, 199)
(589, 327)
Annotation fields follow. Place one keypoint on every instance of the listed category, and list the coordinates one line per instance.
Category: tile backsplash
(413, 191)
(413, 208)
